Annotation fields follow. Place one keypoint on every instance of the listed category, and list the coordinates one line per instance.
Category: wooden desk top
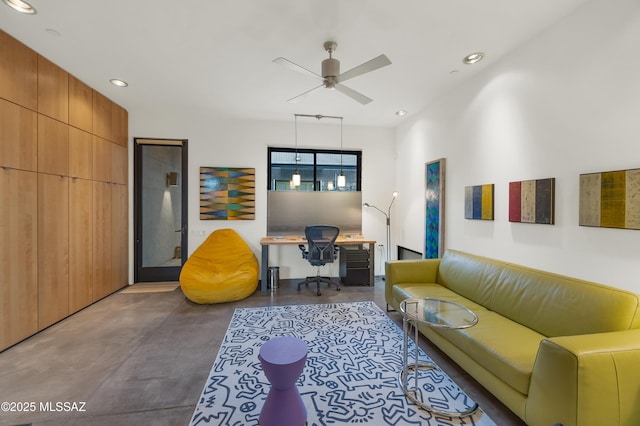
(355, 239)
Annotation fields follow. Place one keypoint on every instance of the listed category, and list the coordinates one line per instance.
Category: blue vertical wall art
(434, 211)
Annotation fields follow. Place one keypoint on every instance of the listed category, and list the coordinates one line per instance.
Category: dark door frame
(165, 273)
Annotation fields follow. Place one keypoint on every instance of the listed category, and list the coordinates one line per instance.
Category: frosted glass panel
(289, 212)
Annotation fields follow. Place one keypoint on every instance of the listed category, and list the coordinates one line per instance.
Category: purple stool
(283, 360)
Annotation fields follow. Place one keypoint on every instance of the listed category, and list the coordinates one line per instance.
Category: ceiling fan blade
(374, 64)
(287, 63)
(353, 94)
(305, 94)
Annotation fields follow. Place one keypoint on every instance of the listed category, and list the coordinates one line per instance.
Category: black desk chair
(322, 250)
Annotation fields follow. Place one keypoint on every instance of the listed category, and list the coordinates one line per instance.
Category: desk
(274, 241)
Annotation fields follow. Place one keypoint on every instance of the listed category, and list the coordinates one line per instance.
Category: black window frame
(315, 152)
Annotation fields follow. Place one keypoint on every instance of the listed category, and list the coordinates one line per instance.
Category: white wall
(564, 104)
(215, 140)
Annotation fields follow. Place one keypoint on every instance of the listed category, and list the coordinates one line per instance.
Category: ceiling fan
(331, 77)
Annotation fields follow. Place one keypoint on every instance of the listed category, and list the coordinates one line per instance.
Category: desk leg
(263, 267)
(372, 264)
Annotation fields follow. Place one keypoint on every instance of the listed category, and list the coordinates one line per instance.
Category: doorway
(160, 208)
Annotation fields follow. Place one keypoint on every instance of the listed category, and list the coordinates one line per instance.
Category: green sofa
(553, 349)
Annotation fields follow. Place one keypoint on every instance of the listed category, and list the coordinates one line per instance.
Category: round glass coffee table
(434, 313)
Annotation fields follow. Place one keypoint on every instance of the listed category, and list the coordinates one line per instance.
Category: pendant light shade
(295, 179)
(342, 179)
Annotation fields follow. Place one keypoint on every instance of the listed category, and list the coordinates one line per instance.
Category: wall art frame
(532, 201)
(610, 199)
(434, 208)
(227, 193)
(478, 202)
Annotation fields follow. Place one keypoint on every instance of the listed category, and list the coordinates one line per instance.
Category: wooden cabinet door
(120, 122)
(80, 105)
(102, 265)
(119, 236)
(18, 72)
(53, 90)
(102, 159)
(102, 116)
(119, 164)
(53, 249)
(18, 137)
(80, 154)
(80, 244)
(53, 146)
(18, 256)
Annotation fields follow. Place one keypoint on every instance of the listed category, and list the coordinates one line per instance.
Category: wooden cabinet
(53, 249)
(53, 90)
(119, 236)
(120, 121)
(102, 234)
(53, 146)
(80, 154)
(63, 193)
(80, 105)
(18, 72)
(80, 244)
(18, 255)
(102, 159)
(18, 137)
(102, 116)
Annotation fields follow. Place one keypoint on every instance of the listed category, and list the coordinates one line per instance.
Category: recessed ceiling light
(401, 113)
(119, 83)
(21, 6)
(472, 58)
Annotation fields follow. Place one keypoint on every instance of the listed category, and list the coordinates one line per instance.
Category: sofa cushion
(435, 291)
(504, 347)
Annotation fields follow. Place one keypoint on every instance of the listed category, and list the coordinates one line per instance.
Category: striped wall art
(610, 199)
(532, 201)
(478, 202)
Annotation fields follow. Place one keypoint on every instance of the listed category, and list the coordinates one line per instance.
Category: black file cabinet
(354, 265)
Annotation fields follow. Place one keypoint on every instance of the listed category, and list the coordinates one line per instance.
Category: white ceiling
(217, 55)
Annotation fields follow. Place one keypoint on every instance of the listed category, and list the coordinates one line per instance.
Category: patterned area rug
(350, 377)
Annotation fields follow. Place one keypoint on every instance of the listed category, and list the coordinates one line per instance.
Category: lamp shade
(342, 181)
(296, 179)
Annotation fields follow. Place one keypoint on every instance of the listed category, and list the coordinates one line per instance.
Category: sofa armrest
(409, 271)
(586, 380)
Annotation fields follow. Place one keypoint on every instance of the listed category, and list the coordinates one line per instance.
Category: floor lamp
(387, 214)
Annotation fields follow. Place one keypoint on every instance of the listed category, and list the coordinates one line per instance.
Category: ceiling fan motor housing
(330, 71)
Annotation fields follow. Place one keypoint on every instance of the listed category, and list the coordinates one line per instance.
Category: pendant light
(295, 179)
(342, 179)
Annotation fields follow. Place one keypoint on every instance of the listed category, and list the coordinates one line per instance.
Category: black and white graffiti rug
(351, 375)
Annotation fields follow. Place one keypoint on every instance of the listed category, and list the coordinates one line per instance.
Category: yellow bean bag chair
(222, 269)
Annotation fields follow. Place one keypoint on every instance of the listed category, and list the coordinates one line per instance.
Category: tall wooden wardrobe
(63, 193)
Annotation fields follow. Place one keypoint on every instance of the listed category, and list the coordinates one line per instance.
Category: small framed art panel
(610, 199)
(227, 193)
(478, 202)
(532, 201)
(434, 208)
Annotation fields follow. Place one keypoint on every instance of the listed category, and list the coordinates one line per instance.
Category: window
(319, 169)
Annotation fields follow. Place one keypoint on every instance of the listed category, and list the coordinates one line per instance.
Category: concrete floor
(142, 359)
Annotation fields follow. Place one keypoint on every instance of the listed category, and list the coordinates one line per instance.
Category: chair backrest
(321, 240)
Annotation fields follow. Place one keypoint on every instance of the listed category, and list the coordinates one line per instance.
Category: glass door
(160, 209)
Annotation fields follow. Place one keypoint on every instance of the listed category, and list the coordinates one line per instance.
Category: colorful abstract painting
(227, 193)
(610, 199)
(532, 201)
(478, 202)
(434, 211)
